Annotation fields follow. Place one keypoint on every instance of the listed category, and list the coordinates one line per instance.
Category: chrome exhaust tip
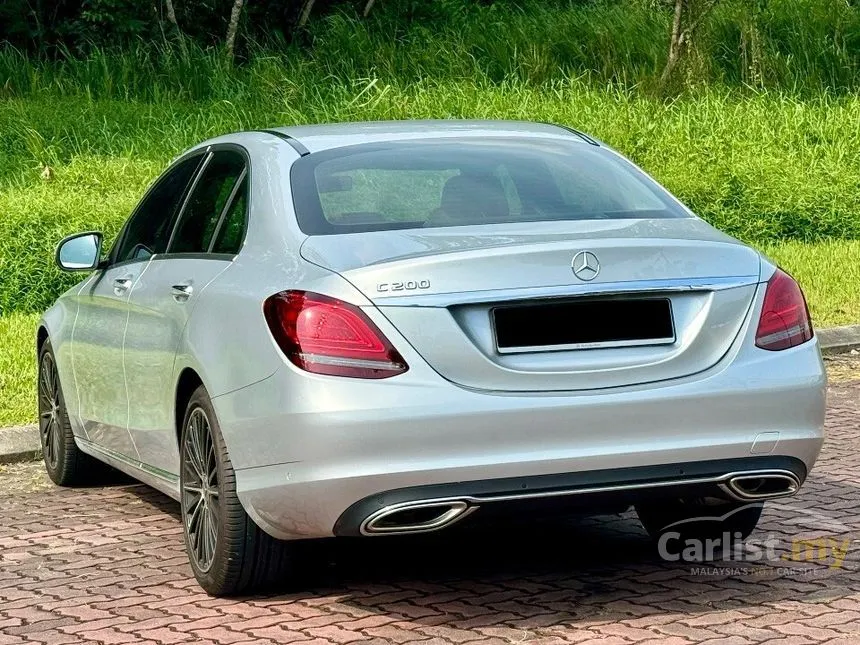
(762, 486)
(416, 517)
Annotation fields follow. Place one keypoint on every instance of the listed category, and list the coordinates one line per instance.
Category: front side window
(465, 181)
(208, 201)
(148, 230)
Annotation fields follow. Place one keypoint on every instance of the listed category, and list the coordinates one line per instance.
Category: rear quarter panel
(227, 341)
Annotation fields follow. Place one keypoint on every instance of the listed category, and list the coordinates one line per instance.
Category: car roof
(335, 135)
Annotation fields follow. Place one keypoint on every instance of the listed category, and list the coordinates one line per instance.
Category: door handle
(121, 285)
(182, 291)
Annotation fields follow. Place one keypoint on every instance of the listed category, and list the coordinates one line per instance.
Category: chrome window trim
(120, 239)
(227, 205)
(189, 192)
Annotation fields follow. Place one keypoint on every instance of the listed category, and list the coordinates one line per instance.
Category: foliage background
(800, 46)
(759, 134)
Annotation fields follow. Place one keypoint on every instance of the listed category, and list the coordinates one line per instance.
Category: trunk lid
(441, 288)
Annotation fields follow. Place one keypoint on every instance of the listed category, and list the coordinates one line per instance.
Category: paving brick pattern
(106, 565)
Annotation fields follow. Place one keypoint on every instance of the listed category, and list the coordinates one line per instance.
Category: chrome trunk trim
(637, 287)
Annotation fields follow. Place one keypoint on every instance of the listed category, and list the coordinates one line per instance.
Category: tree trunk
(305, 14)
(233, 27)
(684, 24)
(675, 43)
(171, 15)
(368, 7)
(39, 40)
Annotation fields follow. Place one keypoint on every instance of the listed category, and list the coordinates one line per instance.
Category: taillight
(328, 336)
(784, 320)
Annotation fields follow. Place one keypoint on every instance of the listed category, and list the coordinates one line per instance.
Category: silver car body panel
(156, 328)
(305, 447)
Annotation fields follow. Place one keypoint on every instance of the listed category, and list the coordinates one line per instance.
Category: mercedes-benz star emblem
(585, 265)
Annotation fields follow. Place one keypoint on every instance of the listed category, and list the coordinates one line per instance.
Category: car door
(164, 297)
(99, 330)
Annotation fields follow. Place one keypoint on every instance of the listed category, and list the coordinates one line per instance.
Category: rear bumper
(394, 512)
(306, 449)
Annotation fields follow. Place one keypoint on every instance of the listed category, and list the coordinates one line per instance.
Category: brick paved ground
(106, 565)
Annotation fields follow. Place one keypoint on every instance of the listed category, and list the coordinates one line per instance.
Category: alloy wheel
(200, 490)
(50, 411)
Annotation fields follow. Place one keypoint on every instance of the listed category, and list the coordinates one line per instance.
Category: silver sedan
(375, 329)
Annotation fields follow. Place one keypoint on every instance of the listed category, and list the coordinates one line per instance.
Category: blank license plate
(583, 324)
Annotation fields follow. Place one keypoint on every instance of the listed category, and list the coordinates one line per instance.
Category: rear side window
(210, 199)
(232, 231)
(148, 229)
(464, 182)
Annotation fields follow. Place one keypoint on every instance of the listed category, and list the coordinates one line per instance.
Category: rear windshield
(464, 182)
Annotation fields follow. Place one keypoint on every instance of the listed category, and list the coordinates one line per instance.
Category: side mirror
(80, 252)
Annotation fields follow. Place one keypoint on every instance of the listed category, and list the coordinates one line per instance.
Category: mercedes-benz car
(376, 329)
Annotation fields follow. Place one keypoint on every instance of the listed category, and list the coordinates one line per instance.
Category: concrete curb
(837, 340)
(21, 443)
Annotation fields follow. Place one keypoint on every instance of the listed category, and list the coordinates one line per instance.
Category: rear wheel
(228, 553)
(704, 528)
(64, 461)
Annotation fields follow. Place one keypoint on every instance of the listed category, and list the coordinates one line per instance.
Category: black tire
(243, 557)
(64, 461)
(700, 520)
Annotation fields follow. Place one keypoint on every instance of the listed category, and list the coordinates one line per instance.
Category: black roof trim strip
(295, 143)
(581, 135)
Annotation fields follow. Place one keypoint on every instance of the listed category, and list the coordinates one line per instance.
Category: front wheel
(64, 461)
(229, 554)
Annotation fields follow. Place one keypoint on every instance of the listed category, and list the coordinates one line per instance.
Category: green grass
(828, 271)
(765, 147)
(17, 369)
(763, 167)
(766, 158)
